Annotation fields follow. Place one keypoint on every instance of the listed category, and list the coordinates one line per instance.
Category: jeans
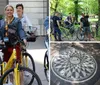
(57, 32)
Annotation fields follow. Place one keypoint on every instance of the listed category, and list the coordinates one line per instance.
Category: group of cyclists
(69, 21)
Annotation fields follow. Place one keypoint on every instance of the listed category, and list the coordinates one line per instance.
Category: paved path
(37, 50)
(56, 80)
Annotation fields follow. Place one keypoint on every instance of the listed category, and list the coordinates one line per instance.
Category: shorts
(86, 29)
(8, 51)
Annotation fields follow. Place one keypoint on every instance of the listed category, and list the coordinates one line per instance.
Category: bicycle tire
(46, 66)
(34, 75)
(73, 36)
(80, 35)
(32, 60)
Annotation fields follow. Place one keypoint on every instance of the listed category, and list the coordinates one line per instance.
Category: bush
(1, 17)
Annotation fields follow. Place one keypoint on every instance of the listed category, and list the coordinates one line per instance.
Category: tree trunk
(56, 5)
(76, 10)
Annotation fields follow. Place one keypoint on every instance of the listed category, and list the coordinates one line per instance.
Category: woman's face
(9, 11)
(19, 10)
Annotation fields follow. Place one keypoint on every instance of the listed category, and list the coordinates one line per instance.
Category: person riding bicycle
(56, 25)
(86, 26)
(11, 26)
(23, 17)
(10, 31)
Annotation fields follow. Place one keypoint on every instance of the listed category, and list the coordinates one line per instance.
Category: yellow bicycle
(13, 72)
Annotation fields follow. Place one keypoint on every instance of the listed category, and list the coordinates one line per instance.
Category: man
(68, 21)
(81, 21)
(56, 25)
(86, 26)
(69, 18)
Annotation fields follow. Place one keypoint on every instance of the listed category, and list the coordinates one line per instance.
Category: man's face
(57, 14)
(19, 10)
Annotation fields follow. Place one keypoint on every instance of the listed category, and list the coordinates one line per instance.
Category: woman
(11, 25)
(24, 19)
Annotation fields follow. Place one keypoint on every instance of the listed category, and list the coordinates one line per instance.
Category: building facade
(36, 10)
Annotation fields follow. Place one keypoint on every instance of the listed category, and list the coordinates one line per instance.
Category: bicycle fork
(17, 75)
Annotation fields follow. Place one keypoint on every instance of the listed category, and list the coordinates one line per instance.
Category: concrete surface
(37, 50)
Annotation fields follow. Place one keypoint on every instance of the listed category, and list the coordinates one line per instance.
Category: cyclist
(11, 26)
(86, 26)
(23, 17)
(56, 25)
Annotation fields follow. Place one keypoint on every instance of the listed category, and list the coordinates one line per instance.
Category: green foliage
(66, 6)
(1, 17)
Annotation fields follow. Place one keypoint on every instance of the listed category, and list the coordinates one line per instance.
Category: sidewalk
(37, 50)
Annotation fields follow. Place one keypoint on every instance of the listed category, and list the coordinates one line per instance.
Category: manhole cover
(73, 65)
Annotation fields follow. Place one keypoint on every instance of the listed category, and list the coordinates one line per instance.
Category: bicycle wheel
(80, 35)
(27, 80)
(46, 66)
(27, 61)
(72, 36)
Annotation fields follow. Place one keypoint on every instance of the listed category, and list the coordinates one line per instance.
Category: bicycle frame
(52, 37)
(10, 64)
(22, 58)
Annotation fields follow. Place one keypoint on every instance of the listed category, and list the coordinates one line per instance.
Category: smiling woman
(14, 24)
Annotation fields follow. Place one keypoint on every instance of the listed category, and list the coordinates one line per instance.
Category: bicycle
(18, 71)
(81, 34)
(68, 34)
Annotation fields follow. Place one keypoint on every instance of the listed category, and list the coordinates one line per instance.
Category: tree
(75, 7)
(54, 5)
(99, 11)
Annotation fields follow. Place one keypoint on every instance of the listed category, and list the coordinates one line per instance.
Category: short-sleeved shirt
(85, 22)
(81, 20)
(55, 19)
